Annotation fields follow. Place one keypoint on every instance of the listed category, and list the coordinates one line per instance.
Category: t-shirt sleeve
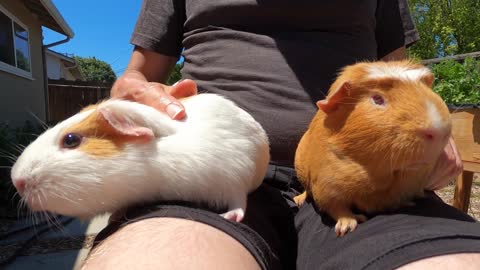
(394, 26)
(159, 27)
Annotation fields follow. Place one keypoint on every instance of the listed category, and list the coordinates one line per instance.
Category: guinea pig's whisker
(77, 187)
(9, 156)
(62, 196)
(39, 200)
(38, 220)
(40, 121)
(56, 218)
(46, 218)
(15, 195)
(20, 205)
(40, 194)
(53, 221)
(28, 134)
(29, 217)
(57, 222)
(34, 218)
(5, 153)
(18, 148)
(71, 188)
(21, 146)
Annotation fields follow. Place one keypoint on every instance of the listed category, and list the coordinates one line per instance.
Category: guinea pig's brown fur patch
(99, 138)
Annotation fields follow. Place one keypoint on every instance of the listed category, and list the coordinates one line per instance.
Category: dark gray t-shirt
(274, 58)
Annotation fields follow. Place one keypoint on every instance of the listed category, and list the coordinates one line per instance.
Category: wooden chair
(466, 133)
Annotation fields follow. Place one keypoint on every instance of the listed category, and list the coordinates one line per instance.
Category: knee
(170, 243)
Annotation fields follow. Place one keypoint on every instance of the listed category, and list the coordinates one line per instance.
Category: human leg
(387, 240)
(170, 243)
(267, 232)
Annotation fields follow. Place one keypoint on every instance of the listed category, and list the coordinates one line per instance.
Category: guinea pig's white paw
(348, 224)
(235, 215)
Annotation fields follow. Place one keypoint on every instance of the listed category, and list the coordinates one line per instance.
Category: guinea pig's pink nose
(20, 184)
(435, 134)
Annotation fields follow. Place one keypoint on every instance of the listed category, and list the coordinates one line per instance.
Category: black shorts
(281, 236)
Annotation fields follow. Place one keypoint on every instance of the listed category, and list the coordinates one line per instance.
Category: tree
(446, 27)
(175, 76)
(95, 70)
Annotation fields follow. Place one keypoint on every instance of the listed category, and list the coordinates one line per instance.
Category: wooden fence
(458, 57)
(66, 98)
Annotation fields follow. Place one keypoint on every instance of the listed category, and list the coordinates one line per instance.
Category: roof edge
(52, 9)
(61, 56)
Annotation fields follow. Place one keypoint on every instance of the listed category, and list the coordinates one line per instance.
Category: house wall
(56, 69)
(19, 96)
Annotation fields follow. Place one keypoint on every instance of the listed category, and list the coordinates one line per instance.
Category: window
(14, 46)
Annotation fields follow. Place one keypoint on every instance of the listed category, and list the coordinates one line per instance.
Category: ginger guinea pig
(119, 153)
(373, 141)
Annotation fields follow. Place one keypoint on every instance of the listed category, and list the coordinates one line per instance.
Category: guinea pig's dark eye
(71, 140)
(378, 100)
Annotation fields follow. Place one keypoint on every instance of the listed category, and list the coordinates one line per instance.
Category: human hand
(449, 166)
(132, 85)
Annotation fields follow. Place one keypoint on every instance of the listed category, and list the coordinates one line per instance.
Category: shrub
(458, 83)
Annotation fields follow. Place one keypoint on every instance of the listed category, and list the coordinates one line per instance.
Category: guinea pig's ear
(330, 103)
(125, 127)
(428, 79)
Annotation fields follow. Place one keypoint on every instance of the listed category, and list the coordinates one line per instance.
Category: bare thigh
(170, 243)
(464, 261)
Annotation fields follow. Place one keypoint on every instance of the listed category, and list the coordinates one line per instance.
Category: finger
(458, 169)
(458, 158)
(156, 95)
(184, 88)
(453, 149)
(440, 183)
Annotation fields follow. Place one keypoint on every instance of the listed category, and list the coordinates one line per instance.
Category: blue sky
(102, 29)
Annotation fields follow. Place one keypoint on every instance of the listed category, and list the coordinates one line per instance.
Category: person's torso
(276, 58)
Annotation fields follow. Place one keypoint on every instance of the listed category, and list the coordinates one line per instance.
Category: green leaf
(96, 70)
(458, 83)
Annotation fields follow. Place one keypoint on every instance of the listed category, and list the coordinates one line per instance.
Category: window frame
(14, 69)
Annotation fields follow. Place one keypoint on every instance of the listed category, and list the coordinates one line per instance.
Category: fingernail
(173, 110)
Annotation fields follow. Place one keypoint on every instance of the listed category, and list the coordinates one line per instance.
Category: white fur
(217, 155)
(434, 116)
(397, 71)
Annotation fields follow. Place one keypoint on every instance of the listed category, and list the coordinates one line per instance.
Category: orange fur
(100, 139)
(348, 159)
(89, 107)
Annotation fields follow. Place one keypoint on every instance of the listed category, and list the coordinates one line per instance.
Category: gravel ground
(474, 210)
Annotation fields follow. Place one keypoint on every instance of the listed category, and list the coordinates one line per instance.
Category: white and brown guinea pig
(119, 153)
(373, 141)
